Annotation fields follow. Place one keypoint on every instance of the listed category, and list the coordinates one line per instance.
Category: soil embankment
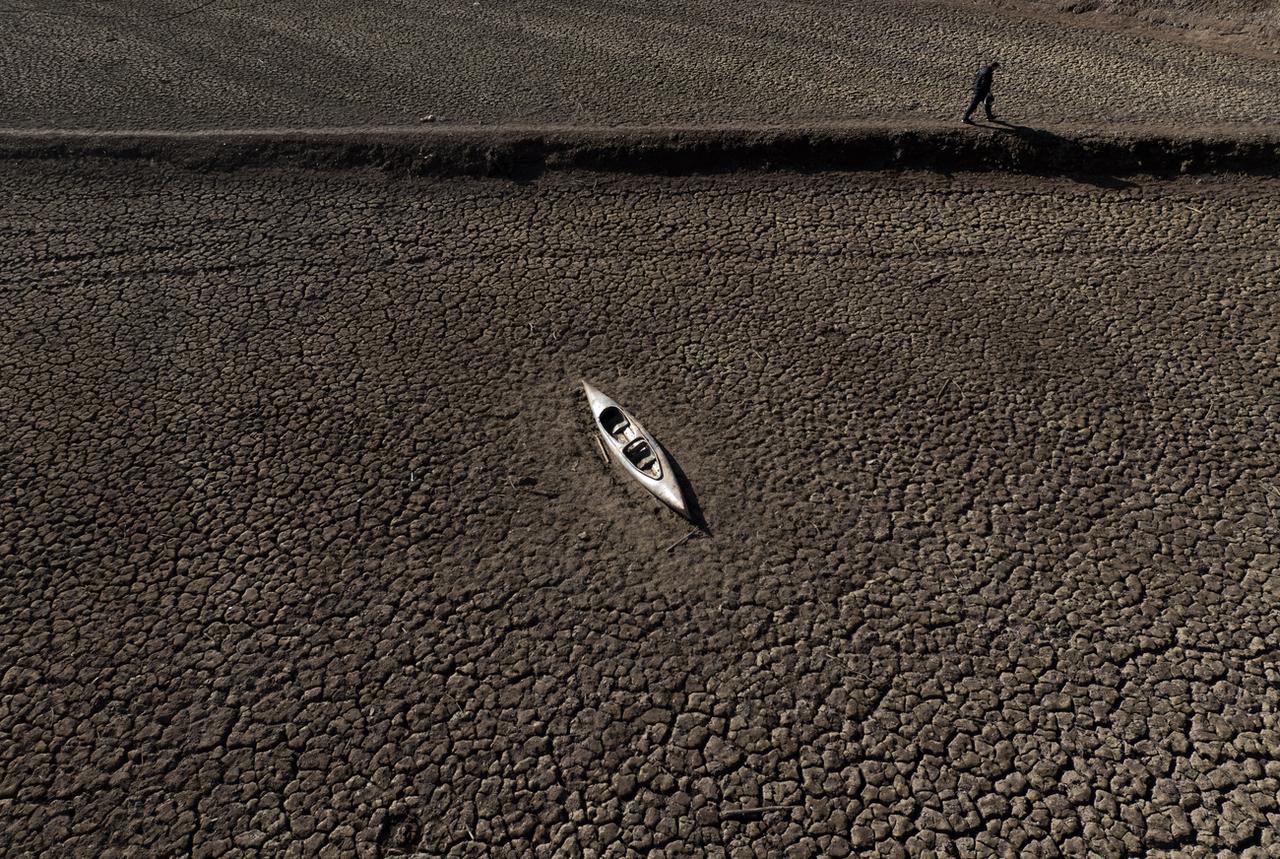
(531, 151)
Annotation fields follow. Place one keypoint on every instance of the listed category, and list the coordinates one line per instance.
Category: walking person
(982, 83)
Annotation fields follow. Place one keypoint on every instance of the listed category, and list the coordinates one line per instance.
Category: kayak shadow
(696, 514)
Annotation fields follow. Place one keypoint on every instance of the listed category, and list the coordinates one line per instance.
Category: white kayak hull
(635, 450)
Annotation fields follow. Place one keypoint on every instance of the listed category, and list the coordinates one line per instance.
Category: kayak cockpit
(635, 447)
(640, 454)
(615, 423)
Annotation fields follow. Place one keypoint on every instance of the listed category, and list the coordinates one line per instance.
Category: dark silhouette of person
(982, 82)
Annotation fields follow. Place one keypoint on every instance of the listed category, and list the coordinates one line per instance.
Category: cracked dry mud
(989, 465)
(183, 64)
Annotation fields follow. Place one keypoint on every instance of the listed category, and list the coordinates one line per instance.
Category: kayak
(639, 453)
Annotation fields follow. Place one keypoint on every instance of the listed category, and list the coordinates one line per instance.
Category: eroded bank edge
(528, 153)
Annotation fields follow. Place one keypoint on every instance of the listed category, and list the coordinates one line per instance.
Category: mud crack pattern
(307, 551)
(182, 64)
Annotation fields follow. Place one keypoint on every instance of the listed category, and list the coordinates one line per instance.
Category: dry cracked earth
(231, 63)
(307, 549)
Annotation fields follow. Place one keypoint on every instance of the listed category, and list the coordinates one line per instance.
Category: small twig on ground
(1193, 208)
(686, 538)
(847, 664)
(736, 813)
(604, 457)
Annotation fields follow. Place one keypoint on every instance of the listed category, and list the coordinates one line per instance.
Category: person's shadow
(1067, 150)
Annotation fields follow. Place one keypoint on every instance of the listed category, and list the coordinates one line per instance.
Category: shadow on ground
(696, 514)
(1045, 139)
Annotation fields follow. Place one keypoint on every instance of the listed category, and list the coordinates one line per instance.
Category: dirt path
(445, 129)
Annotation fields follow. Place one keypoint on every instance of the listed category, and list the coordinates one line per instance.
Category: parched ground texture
(1249, 24)
(307, 549)
(230, 63)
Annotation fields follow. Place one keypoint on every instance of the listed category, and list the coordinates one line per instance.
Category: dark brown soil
(306, 549)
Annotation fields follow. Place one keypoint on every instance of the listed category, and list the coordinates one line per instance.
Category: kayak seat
(641, 455)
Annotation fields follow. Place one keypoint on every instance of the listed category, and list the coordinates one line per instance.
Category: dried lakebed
(307, 548)
(180, 64)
